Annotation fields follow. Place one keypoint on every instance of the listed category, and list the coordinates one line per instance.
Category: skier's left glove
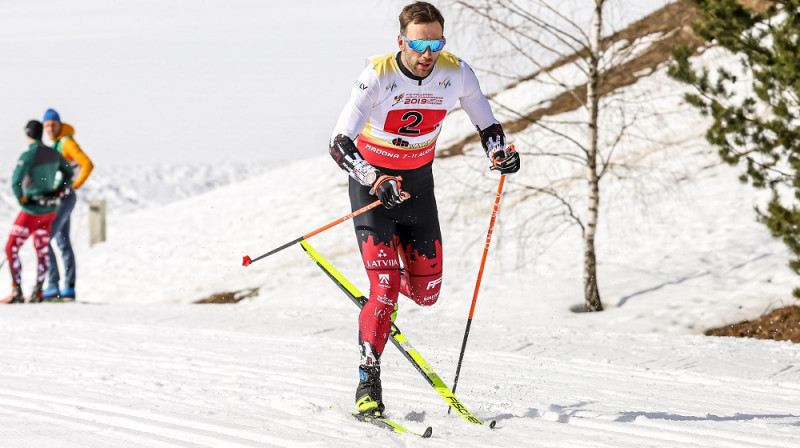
(506, 161)
(387, 188)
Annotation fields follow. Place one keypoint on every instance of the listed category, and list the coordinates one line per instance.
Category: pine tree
(756, 113)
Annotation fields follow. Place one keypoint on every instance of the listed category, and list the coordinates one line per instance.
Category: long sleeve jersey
(35, 176)
(395, 117)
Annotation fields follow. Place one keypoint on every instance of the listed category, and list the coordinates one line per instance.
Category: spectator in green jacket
(34, 185)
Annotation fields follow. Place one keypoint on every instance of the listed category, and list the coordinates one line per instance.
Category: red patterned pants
(407, 236)
(24, 226)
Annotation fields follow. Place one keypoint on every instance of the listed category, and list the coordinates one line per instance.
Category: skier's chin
(424, 70)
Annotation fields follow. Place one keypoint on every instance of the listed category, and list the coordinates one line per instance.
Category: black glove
(387, 188)
(506, 161)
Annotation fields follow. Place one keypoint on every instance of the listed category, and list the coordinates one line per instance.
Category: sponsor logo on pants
(433, 283)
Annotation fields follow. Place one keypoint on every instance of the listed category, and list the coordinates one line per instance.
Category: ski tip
(246, 260)
(428, 432)
(492, 424)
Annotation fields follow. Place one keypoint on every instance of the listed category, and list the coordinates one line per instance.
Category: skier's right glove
(387, 188)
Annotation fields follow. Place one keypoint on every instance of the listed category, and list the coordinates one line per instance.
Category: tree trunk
(591, 290)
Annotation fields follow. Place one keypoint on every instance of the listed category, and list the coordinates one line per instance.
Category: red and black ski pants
(409, 234)
(24, 226)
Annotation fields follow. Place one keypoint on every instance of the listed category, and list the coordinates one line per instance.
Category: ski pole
(480, 275)
(246, 260)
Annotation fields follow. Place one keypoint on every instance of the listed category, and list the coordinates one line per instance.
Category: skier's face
(52, 128)
(417, 63)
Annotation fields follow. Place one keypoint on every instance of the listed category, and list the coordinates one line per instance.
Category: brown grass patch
(230, 297)
(782, 324)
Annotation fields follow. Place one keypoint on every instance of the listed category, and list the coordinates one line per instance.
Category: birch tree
(540, 42)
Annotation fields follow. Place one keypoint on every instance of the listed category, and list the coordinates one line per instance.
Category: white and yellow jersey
(395, 118)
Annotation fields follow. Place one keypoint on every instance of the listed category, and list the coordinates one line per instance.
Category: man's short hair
(420, 12)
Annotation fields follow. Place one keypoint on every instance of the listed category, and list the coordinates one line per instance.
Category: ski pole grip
(403, 195)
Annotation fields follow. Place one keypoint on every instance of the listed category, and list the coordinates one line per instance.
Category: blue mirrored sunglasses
(421, 45)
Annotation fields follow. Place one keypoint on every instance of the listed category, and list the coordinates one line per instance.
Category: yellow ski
(398, 339)
(384, 423)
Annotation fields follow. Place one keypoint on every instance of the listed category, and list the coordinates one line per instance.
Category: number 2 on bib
(413, 122)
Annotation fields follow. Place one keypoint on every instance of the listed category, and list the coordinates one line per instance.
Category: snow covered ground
(136, 364)
(272, 374)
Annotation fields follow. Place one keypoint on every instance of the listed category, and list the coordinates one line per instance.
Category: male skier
(385, 140)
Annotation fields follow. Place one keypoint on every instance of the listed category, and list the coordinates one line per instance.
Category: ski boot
(369, 393)
(36, 295)
(16, 294)
(68, 294)
(50, 293)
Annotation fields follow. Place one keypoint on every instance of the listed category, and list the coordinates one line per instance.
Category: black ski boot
(36, 295)
(16, 294)
(369, 399)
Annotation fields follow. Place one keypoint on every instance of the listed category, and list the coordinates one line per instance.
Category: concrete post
(97, 221)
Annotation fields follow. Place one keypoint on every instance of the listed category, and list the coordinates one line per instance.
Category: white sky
(153, 81)
(185, 80)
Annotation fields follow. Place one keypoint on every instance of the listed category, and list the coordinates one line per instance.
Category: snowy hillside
(131, 188)
(134, 364)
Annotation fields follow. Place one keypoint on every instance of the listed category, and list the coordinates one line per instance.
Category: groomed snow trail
(78, 375)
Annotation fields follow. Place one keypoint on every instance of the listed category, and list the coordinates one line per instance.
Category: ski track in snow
(122, 383)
